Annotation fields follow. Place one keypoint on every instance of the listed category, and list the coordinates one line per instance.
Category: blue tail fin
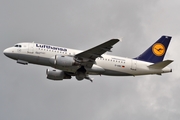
(157, 51)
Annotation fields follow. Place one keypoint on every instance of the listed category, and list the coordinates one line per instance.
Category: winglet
(160, 65)
(121, 39)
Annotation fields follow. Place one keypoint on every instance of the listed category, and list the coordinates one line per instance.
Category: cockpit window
(17, 46)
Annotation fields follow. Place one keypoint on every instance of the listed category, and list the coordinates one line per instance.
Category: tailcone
(167, 70)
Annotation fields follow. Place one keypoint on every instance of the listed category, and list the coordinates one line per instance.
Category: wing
(88, 57)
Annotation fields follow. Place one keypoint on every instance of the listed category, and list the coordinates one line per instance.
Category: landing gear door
(31, 48)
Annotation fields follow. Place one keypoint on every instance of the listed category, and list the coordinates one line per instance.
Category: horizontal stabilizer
(160, 65)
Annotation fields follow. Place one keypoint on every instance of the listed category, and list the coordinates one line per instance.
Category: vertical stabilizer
(157, 51)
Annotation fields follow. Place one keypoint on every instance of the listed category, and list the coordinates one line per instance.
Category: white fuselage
(42, 54)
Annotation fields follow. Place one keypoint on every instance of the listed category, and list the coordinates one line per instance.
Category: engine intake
(80, 76)
(57, 75)
(80, 73)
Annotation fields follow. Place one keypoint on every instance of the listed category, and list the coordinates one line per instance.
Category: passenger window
(20, 46)
(16, 46)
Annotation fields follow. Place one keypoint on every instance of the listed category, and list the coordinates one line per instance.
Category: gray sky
(26, 94)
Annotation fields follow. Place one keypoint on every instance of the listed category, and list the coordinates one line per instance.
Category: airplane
(70, 62)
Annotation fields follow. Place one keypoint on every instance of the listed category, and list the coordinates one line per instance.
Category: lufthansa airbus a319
(69, 62)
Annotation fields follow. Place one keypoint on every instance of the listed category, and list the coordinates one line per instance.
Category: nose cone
(9, 52)
(6, 52)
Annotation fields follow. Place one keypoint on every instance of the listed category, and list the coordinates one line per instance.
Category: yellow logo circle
(158, 49)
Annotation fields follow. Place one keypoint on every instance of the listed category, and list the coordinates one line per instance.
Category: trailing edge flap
(160, 65)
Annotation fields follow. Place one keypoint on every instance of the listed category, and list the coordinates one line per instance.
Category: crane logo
(158, 49)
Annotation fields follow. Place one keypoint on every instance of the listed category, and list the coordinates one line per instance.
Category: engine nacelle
(64, 61)
(57, 75)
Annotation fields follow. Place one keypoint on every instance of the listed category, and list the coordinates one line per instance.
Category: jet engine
(57, 75)
(80, 75)
(64, 61)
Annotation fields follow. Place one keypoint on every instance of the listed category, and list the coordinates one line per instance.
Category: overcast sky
(26, 94)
